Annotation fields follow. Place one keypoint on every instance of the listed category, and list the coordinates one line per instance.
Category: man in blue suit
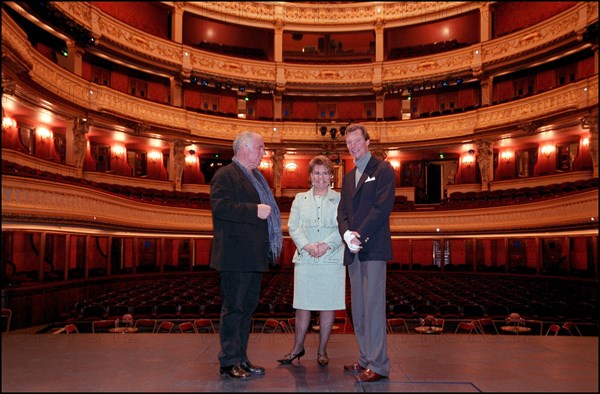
(364, 223)
(247, 237)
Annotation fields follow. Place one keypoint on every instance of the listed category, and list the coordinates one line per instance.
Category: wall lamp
(154, 156)
(547, 150)
(118, 150)
(506, 155)
(44, 133)
(191, 159)
(468, 160)
(8, 123)
(585, 141)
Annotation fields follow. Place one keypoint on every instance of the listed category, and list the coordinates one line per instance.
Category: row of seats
(234, 50)
(425, 49)
(465, 200)
(412, 296)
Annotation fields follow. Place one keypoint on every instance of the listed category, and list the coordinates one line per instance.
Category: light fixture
(323, 130)
(468, 160)
(8, 123)
(506, 155)
(333, 133)
(547, 150)
(471, 151)
(118, 150)
(395, 164)
(291, 166)
(263, 165)
(585, 141)
(191, 158)
(154, 156)
(44, 133)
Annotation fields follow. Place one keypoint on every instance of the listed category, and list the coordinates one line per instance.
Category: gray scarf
(266, 197)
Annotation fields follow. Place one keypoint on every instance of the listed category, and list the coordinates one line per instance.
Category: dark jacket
(241, 238)
(366, 209)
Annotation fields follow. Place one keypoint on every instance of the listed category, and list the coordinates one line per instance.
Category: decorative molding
(43, 201)
(524, 43)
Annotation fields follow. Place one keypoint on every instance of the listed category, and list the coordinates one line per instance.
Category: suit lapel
(369, 170)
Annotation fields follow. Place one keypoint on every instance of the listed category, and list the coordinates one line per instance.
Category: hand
(317, 249)
(322, 248)
(353, 241)
(264, 211)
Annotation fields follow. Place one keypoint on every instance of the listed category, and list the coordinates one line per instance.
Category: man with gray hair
(247, 237)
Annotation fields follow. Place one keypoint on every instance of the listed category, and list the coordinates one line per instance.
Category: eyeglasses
(321, 173)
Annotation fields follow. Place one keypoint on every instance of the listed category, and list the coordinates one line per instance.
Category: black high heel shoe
(288, 358)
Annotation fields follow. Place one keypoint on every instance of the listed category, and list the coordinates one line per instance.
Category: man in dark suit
(364, 223)
(247, 237)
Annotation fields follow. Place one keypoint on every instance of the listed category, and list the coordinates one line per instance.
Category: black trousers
(240, 293)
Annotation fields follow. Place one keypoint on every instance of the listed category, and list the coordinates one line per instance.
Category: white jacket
(311, 221)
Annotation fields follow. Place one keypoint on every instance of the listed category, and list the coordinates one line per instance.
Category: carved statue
(452, 168)
(81, 127)
(484, 160)
(179, 161)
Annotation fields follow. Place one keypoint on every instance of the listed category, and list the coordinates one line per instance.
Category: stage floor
(188, 363)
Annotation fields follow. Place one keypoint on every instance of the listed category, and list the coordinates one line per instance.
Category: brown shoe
(356, 367)
(369, 376)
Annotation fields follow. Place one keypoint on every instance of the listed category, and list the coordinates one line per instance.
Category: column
(277, 105)
(176, 90)
(109, 255)
(277, 159)
(67, 256)
(192, 253)
(591, 122)
(379, 104)
(486, 89)
(42, 256)
(177, 21)
(485, 22)
(278, 37)
(75, 58)
(379, 39)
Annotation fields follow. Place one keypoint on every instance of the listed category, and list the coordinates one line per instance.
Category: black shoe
(252, 369)
(288, 358)
(234, 371)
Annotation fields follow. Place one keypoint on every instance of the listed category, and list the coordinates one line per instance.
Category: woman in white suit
(319, 273)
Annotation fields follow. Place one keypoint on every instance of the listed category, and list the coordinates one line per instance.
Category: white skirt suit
(319, 283)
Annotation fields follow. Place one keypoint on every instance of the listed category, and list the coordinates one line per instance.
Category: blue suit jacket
(241, 238)
(366, 209)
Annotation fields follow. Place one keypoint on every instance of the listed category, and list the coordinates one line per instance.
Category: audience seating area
(483, 301)
(465, 200)
(425, 49)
